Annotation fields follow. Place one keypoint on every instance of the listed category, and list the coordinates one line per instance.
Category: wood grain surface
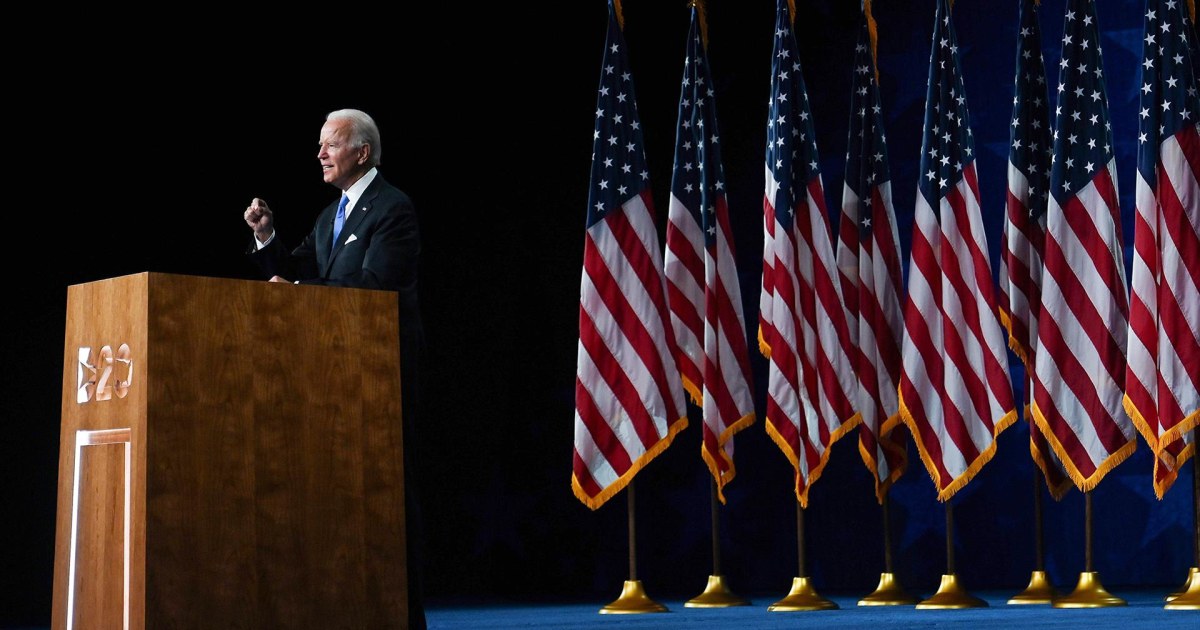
(267, 477)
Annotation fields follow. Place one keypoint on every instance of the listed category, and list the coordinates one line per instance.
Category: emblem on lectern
(96, 374)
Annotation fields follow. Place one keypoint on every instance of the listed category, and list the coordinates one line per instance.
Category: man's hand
(260, 219)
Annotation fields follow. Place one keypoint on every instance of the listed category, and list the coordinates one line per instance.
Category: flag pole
(1188, 598)
(863, 240)
(718, 384)
(889, 592)
(633, 597)
(1039, 590)
(949, 594)
(1089, 593)
(716, 594)
(624, 193)
(802, 596)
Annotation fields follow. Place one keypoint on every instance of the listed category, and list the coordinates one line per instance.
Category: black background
(139, 148)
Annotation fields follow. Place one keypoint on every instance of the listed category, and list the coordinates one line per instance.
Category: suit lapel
(361, 209)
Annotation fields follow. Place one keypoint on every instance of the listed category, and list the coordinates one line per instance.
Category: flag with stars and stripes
(868, 259)
(810, 386)
(628, 396)
(1162, 383)
(1025, 223)
(955, 392)
(702, 282)
(1079, 368)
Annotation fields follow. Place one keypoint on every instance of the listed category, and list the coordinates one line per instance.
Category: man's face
(341, 163)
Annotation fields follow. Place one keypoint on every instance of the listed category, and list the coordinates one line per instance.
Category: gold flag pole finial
(700, 13)
(617, 9)
(873, 31)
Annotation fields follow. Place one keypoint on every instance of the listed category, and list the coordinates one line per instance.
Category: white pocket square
(351, 239)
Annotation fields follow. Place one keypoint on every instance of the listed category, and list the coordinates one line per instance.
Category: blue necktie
(338, 220)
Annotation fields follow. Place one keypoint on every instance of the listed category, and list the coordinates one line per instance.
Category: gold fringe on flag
(952, 485)
(1044, 462)
(1013, 344)
(595, 502)
(792, 11)
(722, 439)
(815, 473)
(1192, 10)
(873, 31)
(699, 4)
(620, 17)
(1159, 443)
(1085, 484)
(872, 462)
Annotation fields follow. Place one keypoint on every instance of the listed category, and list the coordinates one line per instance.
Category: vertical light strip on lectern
(96, 438)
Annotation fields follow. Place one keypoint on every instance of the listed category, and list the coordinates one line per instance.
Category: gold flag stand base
(802, 597)
(1189, 598)
(1039, 591)
(951, 596)
(888, 593)
(633, 599)
(716, 595)
(1193, 575)
(1089, 593)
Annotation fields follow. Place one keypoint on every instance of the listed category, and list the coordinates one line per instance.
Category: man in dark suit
(368, 239)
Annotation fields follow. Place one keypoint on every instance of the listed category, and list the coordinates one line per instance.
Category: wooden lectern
(230, 457)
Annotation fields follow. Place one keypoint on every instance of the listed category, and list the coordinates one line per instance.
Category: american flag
(868, 259)
(1162, 386)
(955, 393)
(1025, 225)
(628, 397)
(702, 281)
(1079, 368)
(810, 387)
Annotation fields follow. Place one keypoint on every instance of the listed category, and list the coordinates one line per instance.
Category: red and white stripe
(870, 278)
(629, 399)
(706, 314)
(1080, 363)
(1020, 268)
(766, 329)
(955, 393)
(810, 388)
(1020, 303)
(1162, 387)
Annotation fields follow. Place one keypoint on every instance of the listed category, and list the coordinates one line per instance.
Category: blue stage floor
(1144, 611)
